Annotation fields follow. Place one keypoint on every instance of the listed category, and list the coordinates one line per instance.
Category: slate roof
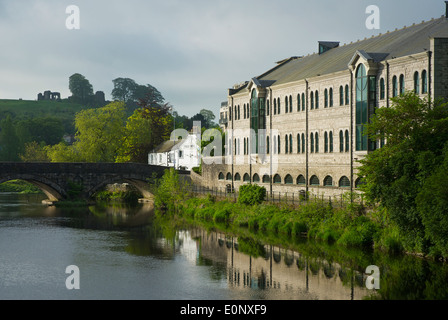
(166, 146)
(407, 41)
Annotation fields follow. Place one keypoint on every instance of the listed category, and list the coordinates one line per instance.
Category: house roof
(399, 43)
(166, 146)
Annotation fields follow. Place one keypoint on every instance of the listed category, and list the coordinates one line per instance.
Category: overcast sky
(192, 51)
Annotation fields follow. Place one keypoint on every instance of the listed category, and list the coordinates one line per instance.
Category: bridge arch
(141, 185)
(52, 190)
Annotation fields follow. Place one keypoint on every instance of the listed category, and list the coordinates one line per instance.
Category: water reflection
(191, 262)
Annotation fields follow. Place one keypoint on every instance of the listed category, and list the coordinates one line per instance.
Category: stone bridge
(59, 180)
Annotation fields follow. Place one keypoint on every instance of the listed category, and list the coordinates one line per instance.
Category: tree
(148, 93)
(34, 152)
(9, 148)
(80, 88)
(209, 116)
(416, 132)
(136, 142)
(124, 89)
(98, 137)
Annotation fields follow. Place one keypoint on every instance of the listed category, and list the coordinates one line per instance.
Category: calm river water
(123, 253)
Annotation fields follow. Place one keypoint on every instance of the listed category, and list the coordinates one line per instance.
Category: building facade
(181, 154)
(300, 125)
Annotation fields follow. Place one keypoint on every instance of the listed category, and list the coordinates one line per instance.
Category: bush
(251, 194)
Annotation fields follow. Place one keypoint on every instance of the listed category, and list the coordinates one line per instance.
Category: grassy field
(31, 109)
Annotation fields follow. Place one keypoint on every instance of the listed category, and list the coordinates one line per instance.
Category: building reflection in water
(286, 274)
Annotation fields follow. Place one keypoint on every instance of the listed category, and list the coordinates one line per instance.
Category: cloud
(192, 51)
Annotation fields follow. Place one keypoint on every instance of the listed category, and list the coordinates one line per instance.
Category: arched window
(344, 182)
(303, 143)
(298, 102)
(303, 102)
(424, 82)
(312, 142)
(275, 106)
(326, 98)
(341, 95)
(394, 86)
(237, 177)
(244, 114)
(341, 141)
(289, 179)
(301, 180)
(316, 96)
(362, 101)
(416, 83)
(239, 114)
(221, 176)
(229, 176)
(347, 95)
(326, 142)
(331, 141)
(316, 141)
(267, 145)
(382, 89)
(286, 105)
(244, 145)
(358, 183)
(278, 106)
(266, 179)
(278, 145)
(314, 181)
(274, 147)
(290, 103)
(312, 100)
(268, 108)
(347, 141)
(290, 143)
(298, 143)
(256, 178)
(277, 179)
(402, 85)
(246, 177)
(331, 97)
(286, 144)
(328, 181)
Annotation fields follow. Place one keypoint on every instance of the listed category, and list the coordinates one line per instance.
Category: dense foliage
(407, 176)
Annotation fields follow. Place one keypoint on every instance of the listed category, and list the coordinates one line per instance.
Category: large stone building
(299, 126)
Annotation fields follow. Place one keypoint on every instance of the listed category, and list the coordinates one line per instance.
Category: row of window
(398, 84)
(300, 144)
(343, 182)
(398, 88)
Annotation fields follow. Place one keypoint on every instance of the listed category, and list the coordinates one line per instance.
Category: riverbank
(19, 186)
(349, 226)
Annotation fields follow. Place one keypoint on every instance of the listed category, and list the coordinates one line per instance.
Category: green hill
(27, 109)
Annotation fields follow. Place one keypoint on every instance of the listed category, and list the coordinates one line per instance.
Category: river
(125, 253)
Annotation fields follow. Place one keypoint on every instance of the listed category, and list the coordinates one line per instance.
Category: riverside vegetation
(351, 225)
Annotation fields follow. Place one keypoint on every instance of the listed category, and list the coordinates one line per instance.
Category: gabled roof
(166, 146)
(399, 43)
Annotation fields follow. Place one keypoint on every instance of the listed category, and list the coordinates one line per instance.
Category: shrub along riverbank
(350, 225)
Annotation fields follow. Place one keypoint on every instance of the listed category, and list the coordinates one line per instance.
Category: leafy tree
(34, 152)
(208, 116)
(251, 194)
(136, 141)
(416, 132)
(80, 88)
(124, 89)
(148, 93)
(98, 137)
(9, 147)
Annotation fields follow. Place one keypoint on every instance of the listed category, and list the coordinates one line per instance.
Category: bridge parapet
(56, 179)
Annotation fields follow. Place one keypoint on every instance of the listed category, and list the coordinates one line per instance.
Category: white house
(180, 154)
